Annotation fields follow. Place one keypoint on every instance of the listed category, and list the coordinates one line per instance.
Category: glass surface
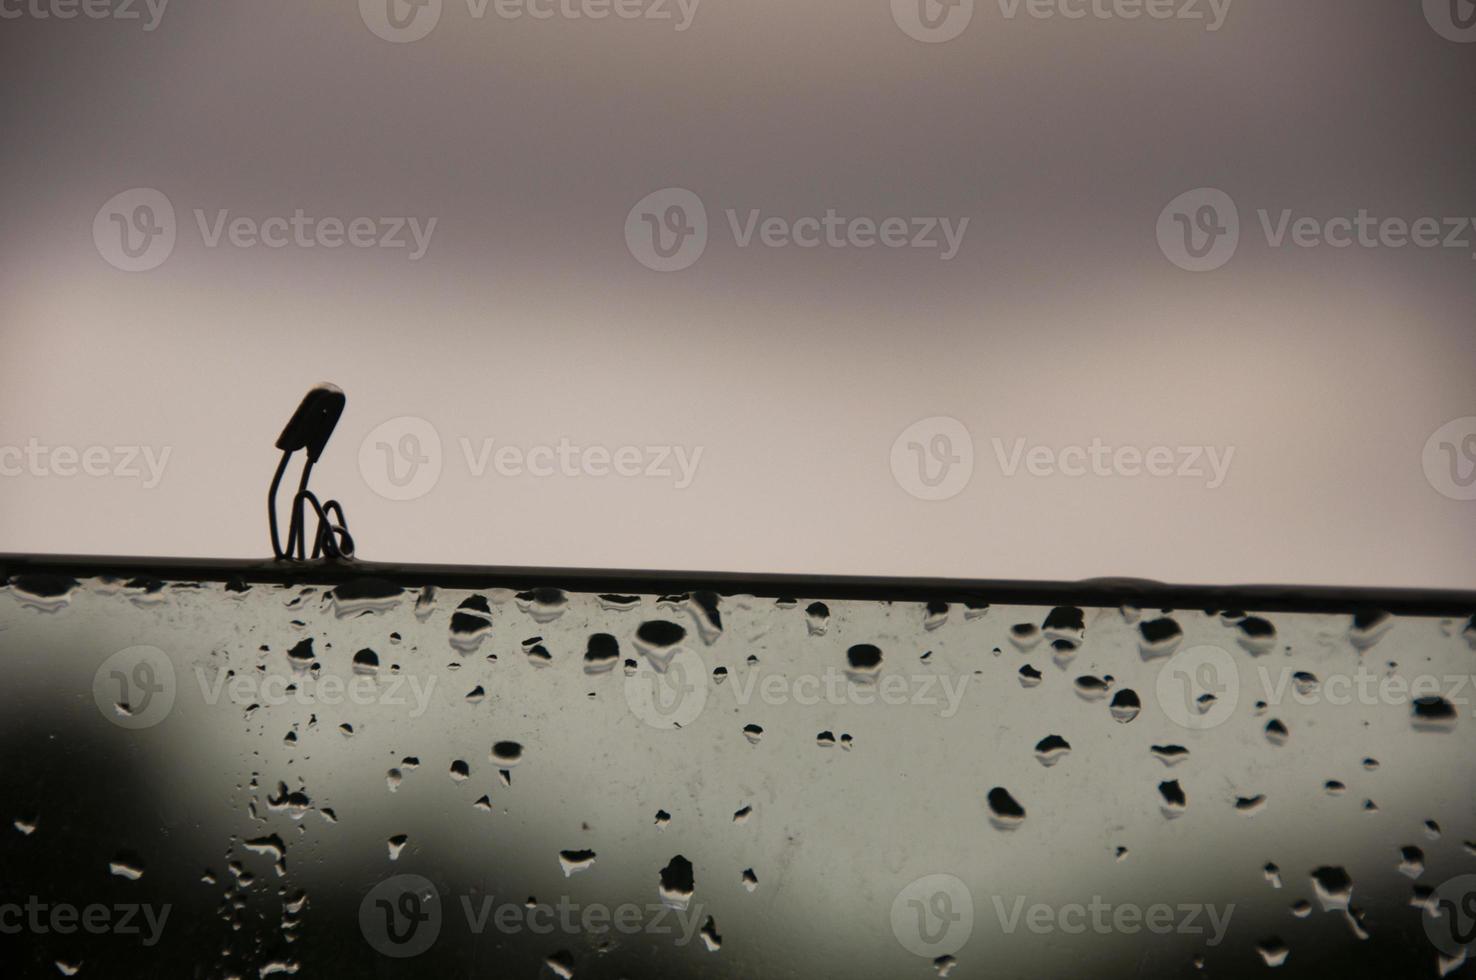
(215, 780)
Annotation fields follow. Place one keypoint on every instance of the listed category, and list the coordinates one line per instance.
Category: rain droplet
(1051, 750)
(562, 964)
(742, 815)
(1433, 714)
(1125, 706)
(126, 866)
(1273, 874)
(1250, 805)
(1090, 688)
(1257, 635)
(1024, 636)
(1333, 887)
(1029, 676)
(1368, 628)
(601, 654)
(863, 663)
(817, 618)
(677, 883)
(935, 614)
(1159, 638)
(1411, 861)
(1334, 787)
(1273, 951)
(750, 880)
(366, 661)
(1004, 812)
(301, 656)
(657, 640)
(507, 754)
(1065, 623)
(1276, 732)
(1170, 755)
(544, 604)
(471, 623)
(573, 862)
(363, 596)
(1174, 800)
(825, 740)
(662, 819)
(396, 845)
(460, 771)
(536, 652)
(710, 937)
(753, 733)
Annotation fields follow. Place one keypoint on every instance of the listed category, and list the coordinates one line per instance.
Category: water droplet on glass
(677, 883)
(1004, 811)
(1174, 800)
(863, 663)
(1125, 706)
(1159, 638)
(1051, 750)
(573, 862)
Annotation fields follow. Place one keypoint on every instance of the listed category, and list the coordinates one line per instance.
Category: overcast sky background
(531, 319)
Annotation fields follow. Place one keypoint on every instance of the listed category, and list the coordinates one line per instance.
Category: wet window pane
(222, 779)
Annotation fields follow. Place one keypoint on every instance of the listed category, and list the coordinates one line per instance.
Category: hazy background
(529, 320)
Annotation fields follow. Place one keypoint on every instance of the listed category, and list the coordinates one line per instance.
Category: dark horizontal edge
(1141, 593)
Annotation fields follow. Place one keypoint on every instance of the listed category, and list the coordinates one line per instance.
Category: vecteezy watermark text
(136, 231)
(1200, 230)
(401, 459)
(253, 689)
(937, 21)
(404, 21)
(667, 231)
(1113, 918)
(150, 12)
(1208, 463)
(120, 919)
(403, 915)
(933, 459)
(145, 463)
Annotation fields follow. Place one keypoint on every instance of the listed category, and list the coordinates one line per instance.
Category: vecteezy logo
(400, 21)
(1199, 230)
(933, 459)
(134, 688)
(933, 916)
(401, 916)
(1450, 459)
(672, 698)
(1454, 20)
(401, 458)
(1449, 916)
(134, 231)
(1199, 687)
(933, 21)
(667, 230)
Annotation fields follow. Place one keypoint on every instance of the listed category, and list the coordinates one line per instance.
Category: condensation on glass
(370, 781)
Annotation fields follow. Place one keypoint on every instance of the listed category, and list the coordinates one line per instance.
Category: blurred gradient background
(528, 320)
